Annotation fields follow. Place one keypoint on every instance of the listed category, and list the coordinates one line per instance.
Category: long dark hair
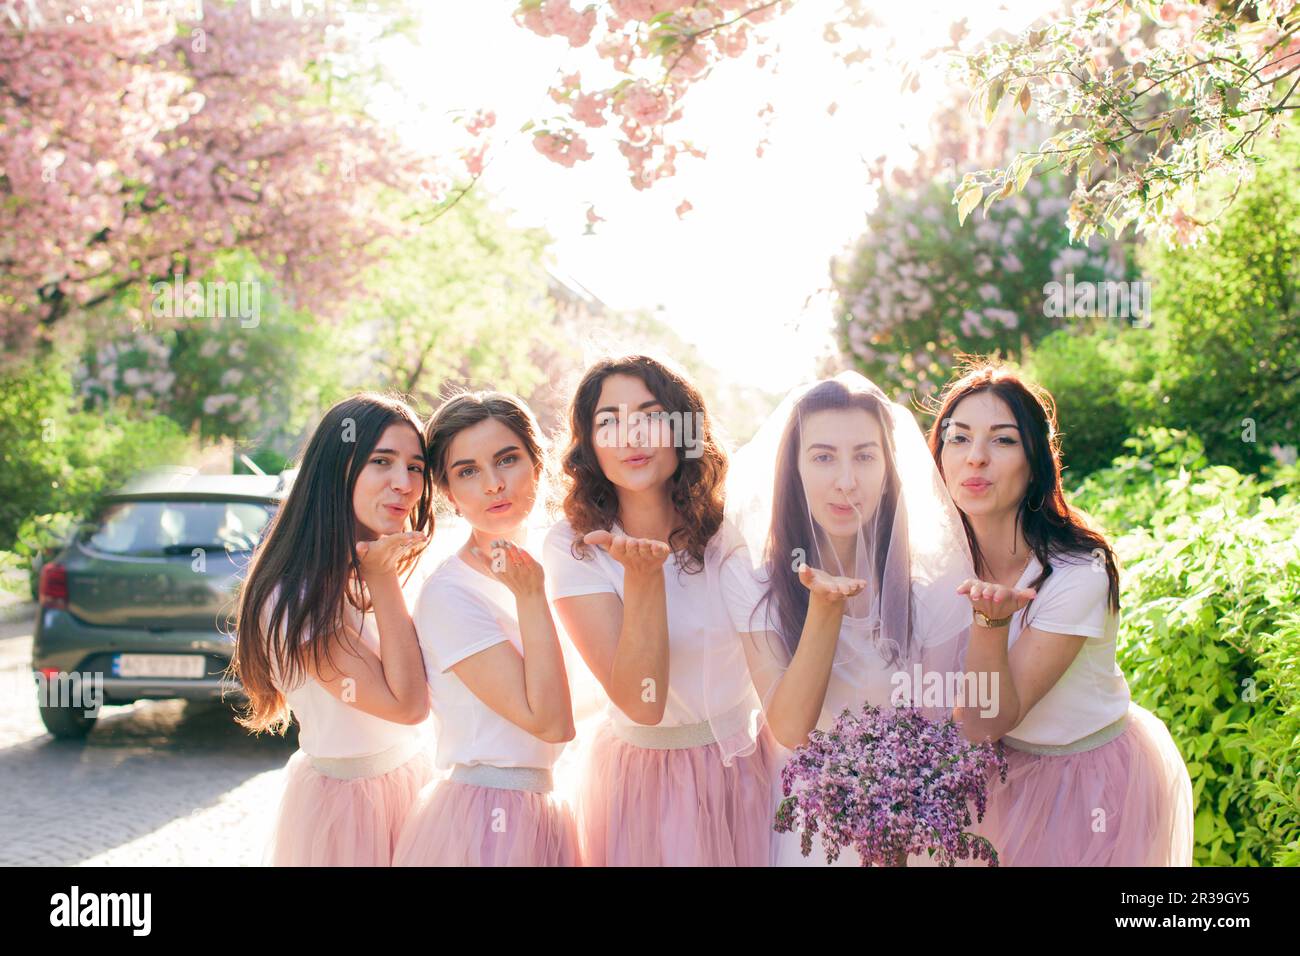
(466, 409)
(1050, 525)
(591, 501)
(306, 567)
(793, 528)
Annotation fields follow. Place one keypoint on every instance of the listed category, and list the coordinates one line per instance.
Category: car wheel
(67, 723)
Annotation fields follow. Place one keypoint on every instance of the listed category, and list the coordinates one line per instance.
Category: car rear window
(157, 528)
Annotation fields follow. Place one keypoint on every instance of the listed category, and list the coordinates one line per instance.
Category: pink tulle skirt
(644, 807)
(325, 821)
(1125, 803)
(460, 824)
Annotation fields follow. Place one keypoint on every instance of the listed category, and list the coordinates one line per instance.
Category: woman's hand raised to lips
(383, 555)
(995, 600)
(827, 587)
(515, 568)
(637, 555)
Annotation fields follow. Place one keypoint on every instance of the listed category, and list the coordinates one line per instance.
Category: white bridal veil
(840, 478)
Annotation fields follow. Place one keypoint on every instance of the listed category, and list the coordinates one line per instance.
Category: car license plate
(158, 665)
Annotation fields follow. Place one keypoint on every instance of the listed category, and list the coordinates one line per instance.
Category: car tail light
(53, 590)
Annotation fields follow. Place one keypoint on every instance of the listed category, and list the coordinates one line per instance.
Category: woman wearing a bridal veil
(839, 575)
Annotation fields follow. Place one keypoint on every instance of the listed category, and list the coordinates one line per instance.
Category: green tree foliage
(1221, 358)
(461, 299)
(1227, 317)
(250, 373)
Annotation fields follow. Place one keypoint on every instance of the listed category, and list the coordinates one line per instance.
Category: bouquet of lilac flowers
(890, 784)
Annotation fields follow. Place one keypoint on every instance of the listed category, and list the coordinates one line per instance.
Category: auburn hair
(591, 500)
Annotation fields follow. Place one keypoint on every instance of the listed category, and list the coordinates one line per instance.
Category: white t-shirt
(328, 727)
(860, 673)
(694, 693)
(460, 612)
(1092, 693)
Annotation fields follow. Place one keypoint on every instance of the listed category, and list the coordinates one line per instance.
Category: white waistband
(681, 736)
(1090, 742)
(371, 765)
(652, 737)
(534, 779)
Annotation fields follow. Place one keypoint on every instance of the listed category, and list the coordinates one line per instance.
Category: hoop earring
(1041, 499)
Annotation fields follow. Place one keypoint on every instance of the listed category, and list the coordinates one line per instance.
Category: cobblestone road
(156, 783)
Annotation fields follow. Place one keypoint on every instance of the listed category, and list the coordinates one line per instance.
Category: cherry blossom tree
(1197, 85)
(138, 143)
(654, 51)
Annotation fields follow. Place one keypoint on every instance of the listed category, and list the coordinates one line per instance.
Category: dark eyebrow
(470, 461)
(394, 452)
(612, 408)
(865, 444)
(992, 428)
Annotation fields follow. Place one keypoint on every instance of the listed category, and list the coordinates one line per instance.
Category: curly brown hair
(591, 501)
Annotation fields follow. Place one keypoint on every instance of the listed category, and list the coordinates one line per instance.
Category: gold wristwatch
(985, 621)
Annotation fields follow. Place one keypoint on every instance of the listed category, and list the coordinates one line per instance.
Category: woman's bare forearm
(399, 648)
(639, 676)
(800, 693)
(987, 654)
(546, 682)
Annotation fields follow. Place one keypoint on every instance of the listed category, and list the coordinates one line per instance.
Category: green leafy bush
(1210, 633)
(268, 459)
(1099, 381)
(57, 460)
